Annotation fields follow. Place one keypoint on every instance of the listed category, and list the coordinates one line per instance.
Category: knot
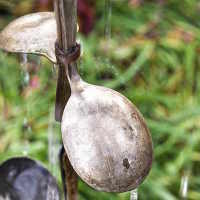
(65, 57)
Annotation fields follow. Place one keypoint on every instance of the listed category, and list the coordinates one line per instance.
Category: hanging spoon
(25, 179)
(36, 34)
(33, 33)
(104, 134)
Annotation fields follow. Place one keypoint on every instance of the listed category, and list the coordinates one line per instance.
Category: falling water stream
(24, 69)
(53, 127)
(53, 137)
(27, 130)
(54, 70)
(53, 144)
(108, 17)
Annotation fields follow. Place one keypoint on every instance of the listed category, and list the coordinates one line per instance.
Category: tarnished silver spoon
(24, 179)
(104, 135)
(33, 33)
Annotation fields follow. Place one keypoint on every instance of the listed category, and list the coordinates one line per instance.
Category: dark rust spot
(126, 163)
(130, 128)
(134, 115)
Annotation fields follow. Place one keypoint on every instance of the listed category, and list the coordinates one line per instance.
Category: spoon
(36, 34)
(104, 134)
(33, 33)
(23, 178)
(7, 192)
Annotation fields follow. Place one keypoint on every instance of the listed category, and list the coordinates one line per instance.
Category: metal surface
(105, 137)
(23, 179)
(34, 33)
(69, 177)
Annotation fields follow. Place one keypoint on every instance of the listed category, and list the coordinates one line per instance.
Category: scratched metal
(24, 179)
(34, 33)
(106, 138)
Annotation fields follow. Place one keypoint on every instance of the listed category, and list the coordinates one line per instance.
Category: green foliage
(152, 58)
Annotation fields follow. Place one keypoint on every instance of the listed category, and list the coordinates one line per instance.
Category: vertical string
(108, 17)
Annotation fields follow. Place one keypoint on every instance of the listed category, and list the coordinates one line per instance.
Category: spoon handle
(66, 19)
(62, 93)
(69, 177)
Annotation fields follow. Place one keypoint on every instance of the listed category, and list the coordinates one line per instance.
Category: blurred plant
(43, 5)
(86, 14)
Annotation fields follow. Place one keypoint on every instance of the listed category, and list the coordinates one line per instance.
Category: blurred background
(146, 49)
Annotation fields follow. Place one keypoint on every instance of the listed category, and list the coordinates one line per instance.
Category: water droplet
(52, 193)
(134, 195)
(26, 78)
(25, 153)
(82, 46)
(38, 61)
(184, 185)
(54, 70)
(27, 130)
(24, 71)
(24, 59)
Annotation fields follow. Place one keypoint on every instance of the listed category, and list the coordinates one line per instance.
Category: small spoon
(104, 134)
(25, 179)
(33, 33)
(36, 34)
(7, 192)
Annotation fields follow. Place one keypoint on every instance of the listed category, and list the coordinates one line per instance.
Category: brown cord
(66, 57)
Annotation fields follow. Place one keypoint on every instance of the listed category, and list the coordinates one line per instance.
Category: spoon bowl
(106, 138)
(23, 178)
